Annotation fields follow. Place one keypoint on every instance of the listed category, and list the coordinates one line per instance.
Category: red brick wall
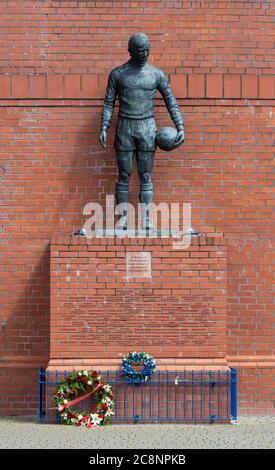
(187, 36)
(54, 63)
(256, 389)
(18, 390)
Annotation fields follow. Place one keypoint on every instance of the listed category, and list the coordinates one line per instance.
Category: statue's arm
(108, 107)
(171, 105)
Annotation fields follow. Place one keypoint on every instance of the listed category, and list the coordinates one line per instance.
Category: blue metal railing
(195, 396)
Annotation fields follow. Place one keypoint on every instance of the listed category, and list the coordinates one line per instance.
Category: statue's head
(139, 47)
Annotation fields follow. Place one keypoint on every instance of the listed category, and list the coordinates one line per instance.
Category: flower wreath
(138, 359)
(67, 395)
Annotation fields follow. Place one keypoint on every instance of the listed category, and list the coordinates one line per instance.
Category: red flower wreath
(68, 392)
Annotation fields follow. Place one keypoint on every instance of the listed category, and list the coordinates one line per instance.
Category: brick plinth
(97, 314)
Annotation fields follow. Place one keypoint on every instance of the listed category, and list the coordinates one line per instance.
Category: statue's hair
(137, 39)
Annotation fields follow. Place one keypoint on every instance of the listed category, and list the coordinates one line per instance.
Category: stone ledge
(251, 361)
(205, 239)
(163, 365)
(21, 362)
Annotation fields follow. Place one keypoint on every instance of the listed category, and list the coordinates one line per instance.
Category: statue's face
(140, 53)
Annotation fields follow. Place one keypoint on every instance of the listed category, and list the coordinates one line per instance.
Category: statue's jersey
(136, 88)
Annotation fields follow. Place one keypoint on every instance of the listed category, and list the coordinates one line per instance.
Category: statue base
(168, 302)
(135, 233)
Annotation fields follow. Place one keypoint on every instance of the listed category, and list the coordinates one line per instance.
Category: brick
(5, 86)
(196, 86)
(90, 86)
(103, 80)
(232, 86)
(214, 86)
(72, 86)
(179, 85)
(249, 86)
(55, 86)
(38, 86)
(20, 87)
(266, 86)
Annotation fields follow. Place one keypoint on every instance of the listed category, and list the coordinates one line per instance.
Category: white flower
(65, 402)
(79, 417)
(80, 374)
(84, 372)
(89, 382)
(95, 418)
(109, 412)
(64, 416)
(107, 387)
(108, 401)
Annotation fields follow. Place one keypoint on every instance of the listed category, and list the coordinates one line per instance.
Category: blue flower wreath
(138, 358)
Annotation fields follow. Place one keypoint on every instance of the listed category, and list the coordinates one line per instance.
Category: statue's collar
(137, 65)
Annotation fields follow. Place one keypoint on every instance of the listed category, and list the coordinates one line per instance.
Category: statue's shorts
(136, 134)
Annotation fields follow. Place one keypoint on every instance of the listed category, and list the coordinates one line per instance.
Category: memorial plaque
(138, 264)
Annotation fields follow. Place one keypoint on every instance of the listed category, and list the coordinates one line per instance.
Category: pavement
(248, 433)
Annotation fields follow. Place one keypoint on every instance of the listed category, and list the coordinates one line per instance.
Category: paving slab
(248, 433)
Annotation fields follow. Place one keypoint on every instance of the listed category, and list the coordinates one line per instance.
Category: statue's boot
(122, 195)
(146, 197)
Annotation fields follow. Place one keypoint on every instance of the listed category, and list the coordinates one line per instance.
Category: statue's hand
(180, 138)
(103, 138)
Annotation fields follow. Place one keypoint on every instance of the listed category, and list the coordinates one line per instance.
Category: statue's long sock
(146, 197)
(122, 196)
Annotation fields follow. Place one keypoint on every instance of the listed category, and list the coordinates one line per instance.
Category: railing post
(40, 394)
(233, 411)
